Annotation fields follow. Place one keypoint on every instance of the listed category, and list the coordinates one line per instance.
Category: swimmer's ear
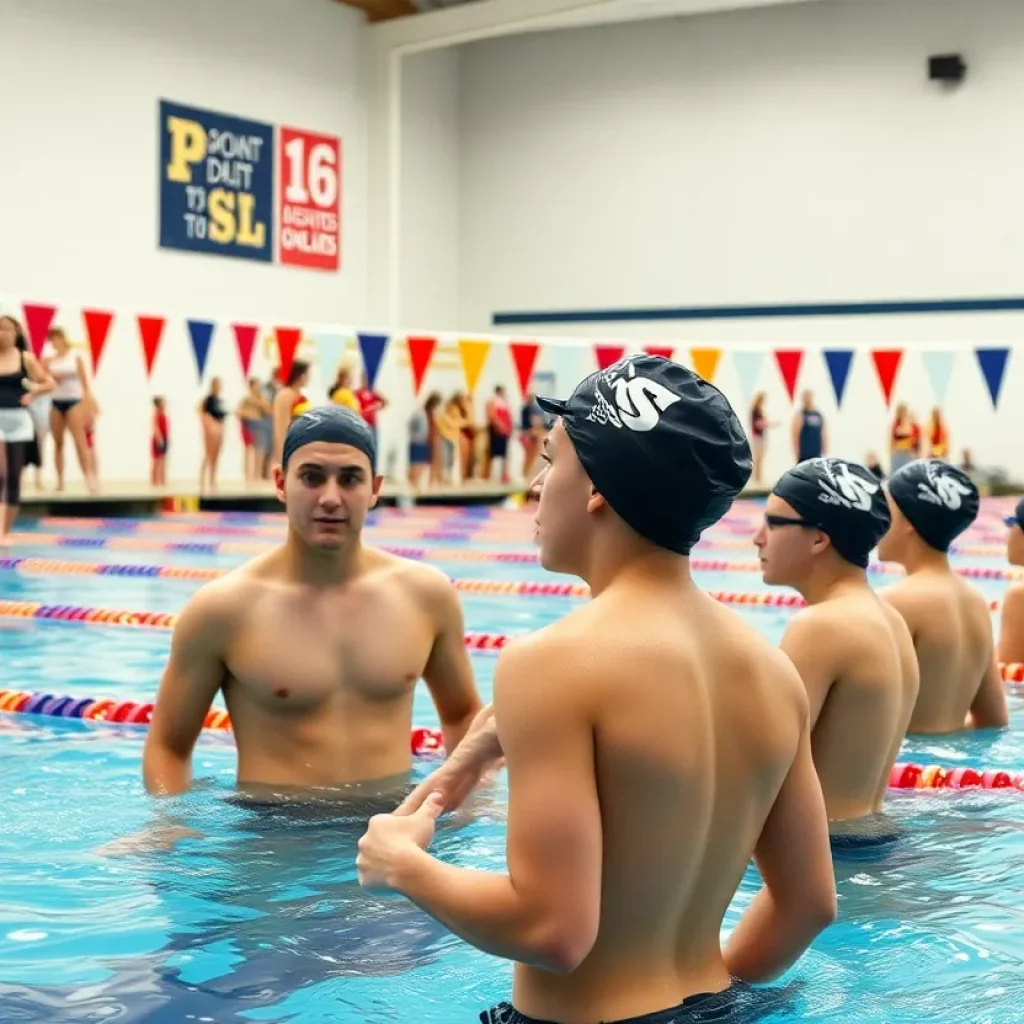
(821, 541)
(596, 501)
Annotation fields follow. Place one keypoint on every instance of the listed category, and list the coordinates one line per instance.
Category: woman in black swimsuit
(211, 417)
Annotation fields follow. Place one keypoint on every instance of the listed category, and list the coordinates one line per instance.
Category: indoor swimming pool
(257, 916)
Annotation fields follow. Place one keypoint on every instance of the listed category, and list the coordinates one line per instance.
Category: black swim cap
(660, 444)
(1017, 519)
(335, 424)
(939, 500)
(842, 499)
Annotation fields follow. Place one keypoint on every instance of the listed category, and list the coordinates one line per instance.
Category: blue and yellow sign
(216, 183)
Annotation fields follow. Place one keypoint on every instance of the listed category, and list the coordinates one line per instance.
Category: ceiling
(385, 10)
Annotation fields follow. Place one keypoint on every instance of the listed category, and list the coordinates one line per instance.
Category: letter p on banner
(310, 198)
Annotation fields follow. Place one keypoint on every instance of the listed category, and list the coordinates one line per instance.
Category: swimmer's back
(696, 724)
(856, 656)
(952, 631)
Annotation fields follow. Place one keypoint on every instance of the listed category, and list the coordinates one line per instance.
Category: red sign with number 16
(310, 199)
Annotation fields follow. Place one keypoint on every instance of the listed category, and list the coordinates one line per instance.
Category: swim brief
(740, 1003)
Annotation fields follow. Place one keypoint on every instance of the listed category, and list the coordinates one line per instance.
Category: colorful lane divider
(423, 739)
(915, 776)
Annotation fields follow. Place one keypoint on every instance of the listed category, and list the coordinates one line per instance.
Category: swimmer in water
(318, 644)
(932, 503)
(654, 741)
(1011, 630)
(854, 652)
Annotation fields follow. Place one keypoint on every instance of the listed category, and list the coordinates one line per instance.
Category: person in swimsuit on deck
(1011, 629)
(854, 653)
(318, 644)
(809, 439)
(654, 742)
(931, 504)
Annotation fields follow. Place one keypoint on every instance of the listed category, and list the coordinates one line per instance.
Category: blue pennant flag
(939, 367)
(372, 347)
(993, 368)
(748, 368)
(838, 361)
(201, 333)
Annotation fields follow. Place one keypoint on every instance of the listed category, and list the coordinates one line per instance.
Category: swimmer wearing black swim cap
(319, 643)
(932, 503)
(1011, 631)
(854, 653)
(700, 728)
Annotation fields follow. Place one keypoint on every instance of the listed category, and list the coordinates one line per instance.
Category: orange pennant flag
(473, 355)
(705, 362)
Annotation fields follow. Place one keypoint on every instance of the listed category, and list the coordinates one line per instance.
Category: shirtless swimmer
(1011, 629)
(932, 503)
(318, 644)
(854, 652)
(654, 741)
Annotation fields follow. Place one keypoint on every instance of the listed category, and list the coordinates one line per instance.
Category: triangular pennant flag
(789, 361)
(151, 330)
(473, 354)
(665, 351)
(993, 368)
(329, 347)
(608, 354)
(245, 341)
(38, 319)
(201, 333)
(747, 363)
(887, 363)
(524, 357)
(939, 367)
(97, 327)
(372, 347)
(288, 339)
(705, 362)
(838, 361)
(421, 351)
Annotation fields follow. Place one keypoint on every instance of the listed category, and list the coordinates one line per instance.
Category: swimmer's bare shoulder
(1011, 632)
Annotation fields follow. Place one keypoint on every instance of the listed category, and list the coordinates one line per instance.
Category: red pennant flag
(245, 340)
(608, 354)
(665, 351)
(524, 355)
(288, 339)
(789, 361)
(887, 363)
(38, 319)
(151, 329)
(421, 351)
(97, 327)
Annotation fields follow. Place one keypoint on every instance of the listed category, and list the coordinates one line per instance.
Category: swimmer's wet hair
(333, 424)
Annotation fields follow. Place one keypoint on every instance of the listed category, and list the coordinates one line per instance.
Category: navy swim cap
(842, 499)
(939, 500)
(660, 444)
(335, 424)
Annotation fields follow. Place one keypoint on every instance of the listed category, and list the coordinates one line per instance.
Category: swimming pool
(260, 919)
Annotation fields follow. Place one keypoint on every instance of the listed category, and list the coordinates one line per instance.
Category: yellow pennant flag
(473, 355)
(705, 362)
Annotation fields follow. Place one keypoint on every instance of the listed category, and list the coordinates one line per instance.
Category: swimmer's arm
(1011, 630)
(798, 900)
(449, 672)
(988, 709)
(194, 674)
(545, 911)
(810, 643)
(795, 432)
(40, 377)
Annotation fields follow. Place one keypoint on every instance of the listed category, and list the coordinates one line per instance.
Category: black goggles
(772, 521)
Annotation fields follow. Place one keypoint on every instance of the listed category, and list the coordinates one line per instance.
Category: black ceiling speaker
(948, 68)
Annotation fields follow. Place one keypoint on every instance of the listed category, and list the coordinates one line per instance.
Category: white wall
(430, 199)
(791, 154)
(80, 185)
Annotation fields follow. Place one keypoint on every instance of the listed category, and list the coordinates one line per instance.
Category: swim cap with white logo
(939, 500)
(335, 424)
(842, 499)
(660, 444)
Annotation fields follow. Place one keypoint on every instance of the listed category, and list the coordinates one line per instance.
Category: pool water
(257, 916)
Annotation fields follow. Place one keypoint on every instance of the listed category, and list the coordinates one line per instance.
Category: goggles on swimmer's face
(1013, 521)
(773, 521)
